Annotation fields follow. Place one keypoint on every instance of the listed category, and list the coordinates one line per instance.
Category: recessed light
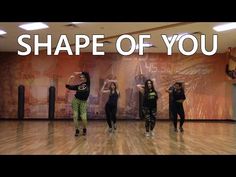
(34, 26)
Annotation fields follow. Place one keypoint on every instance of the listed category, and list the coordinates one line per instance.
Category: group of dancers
(149, 105)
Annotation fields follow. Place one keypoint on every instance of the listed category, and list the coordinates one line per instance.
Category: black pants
(171, 108)
(178, 109)
(111, 114)
(150, 118)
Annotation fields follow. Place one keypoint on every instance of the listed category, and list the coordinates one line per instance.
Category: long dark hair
(111, 88)
(146, 89)
(86, 75)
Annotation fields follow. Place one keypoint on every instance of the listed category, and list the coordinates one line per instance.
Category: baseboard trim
(102, 119)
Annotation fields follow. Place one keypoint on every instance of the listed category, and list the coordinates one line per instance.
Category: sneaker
(147, 134)
(114, 126)
(181, 129)
(176, 130)
(152, 133)
(77, 132)
(84, 131)
(110, 130)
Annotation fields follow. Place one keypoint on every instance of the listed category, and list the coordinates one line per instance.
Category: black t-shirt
(178, 95)
(150, 99)
(82, 90)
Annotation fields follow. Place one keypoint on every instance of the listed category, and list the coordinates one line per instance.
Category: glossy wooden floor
(42, 137)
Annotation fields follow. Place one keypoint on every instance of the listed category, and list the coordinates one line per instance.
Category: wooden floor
(42, 137)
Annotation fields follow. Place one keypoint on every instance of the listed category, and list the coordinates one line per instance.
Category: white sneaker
(152, 133)
(147, 134)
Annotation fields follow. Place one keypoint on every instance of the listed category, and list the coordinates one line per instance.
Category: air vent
(197, 33)
(71, 25)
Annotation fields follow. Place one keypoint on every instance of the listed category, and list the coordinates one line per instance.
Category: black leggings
(111, 114)
(150, 118)
(178, 109)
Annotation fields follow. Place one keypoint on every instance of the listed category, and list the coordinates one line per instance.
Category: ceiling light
(2, 32)
(148, 45)
(179, 36)
(225, 27)
(33, 26)
(75, 23)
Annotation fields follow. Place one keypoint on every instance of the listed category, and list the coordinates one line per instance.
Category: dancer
(79, 103)
(171, 100)
(178, 109)
(111, 105)
(149, 105)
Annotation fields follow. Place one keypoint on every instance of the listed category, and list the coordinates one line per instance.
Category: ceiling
(112, 30)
